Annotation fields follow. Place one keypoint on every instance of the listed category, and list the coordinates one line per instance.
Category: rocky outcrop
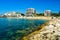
(48, 32)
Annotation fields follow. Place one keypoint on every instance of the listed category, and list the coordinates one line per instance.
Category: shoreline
(40, 17)
(36, 31)
(41, 29)
(46, 18)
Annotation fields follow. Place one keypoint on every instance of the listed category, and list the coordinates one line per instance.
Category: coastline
(40, 31)
(29, 26)
(40, 17)
(36, 31)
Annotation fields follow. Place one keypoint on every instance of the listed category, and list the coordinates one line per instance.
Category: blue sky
(22, 5)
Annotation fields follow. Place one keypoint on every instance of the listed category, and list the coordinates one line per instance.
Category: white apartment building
(30, 12)
(47, 13)
(12, 14)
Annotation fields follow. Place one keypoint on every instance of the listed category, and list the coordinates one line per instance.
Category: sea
(16, 28)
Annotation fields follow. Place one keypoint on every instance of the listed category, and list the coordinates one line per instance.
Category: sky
(23, 5)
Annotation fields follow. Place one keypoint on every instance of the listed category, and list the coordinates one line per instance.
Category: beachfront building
(13, 14)
(30, 12)
(47, 13)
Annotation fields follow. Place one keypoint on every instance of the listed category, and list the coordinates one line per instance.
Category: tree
(59, 13)
(55, 14)
(41, 14)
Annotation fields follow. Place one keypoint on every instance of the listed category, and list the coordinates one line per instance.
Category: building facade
(12, 14)
(47, 13)
(31, 12)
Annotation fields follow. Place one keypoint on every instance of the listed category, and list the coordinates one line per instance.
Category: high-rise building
(47, 13)
(30, 12)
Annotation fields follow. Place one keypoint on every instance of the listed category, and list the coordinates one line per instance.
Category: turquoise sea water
(15, 28)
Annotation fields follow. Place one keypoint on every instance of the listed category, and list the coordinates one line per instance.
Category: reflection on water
(14, 28)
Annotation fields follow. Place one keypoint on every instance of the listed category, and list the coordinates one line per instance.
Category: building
(47, 13)
(31, 12)
(13, 14)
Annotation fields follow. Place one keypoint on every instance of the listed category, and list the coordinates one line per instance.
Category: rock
(49, 32)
